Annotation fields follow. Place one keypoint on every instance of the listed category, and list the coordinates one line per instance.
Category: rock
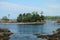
(5, 33)
(52, 39)
(54, 36)
(58, 21)
(57, 31)
(4, 30)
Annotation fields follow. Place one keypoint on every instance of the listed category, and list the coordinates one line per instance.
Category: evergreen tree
(30, 17)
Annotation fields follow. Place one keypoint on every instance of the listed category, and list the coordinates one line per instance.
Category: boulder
(5, 33)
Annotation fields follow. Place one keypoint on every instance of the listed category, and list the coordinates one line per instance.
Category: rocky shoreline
(5, 33)
(54, 36)
(25, 23)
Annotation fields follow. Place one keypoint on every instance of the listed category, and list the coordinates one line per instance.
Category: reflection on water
(25, 32)
(30, 29)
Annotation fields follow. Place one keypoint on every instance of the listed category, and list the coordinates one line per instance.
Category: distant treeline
(52, 17)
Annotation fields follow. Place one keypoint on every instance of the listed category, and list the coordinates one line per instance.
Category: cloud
(53, 9)
(15, 9)
(56, 6)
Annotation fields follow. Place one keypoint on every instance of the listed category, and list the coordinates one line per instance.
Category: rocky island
(31, 18)
(25, 18)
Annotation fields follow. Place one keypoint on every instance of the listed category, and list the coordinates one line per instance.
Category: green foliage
(30, 17)
(5, 18)
(52, 17)
(19, 19)
(42, 17)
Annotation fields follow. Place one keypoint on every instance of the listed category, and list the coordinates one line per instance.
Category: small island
(26, 18)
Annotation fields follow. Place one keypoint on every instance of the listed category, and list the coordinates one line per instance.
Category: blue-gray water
(25, 32)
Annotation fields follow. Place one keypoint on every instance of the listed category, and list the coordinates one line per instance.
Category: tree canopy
(5, 18)
(30, 17)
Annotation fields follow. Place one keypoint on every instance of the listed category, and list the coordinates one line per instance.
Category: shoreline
(25, 23)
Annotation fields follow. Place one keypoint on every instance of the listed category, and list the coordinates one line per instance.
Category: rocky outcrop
(4, 34)
(54, 36)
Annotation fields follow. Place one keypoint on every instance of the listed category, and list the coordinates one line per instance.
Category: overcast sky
(15, 7)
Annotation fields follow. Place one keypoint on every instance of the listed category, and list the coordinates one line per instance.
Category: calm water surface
(25, 32)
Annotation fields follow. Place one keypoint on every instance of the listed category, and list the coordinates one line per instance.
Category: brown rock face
(4, 34)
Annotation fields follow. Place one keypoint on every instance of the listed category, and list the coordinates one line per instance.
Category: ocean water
(26, 32)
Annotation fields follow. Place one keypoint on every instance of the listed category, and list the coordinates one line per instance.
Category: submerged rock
(5, 33)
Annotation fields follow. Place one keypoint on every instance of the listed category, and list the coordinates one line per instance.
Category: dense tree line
(30, 17)
(52, 17)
